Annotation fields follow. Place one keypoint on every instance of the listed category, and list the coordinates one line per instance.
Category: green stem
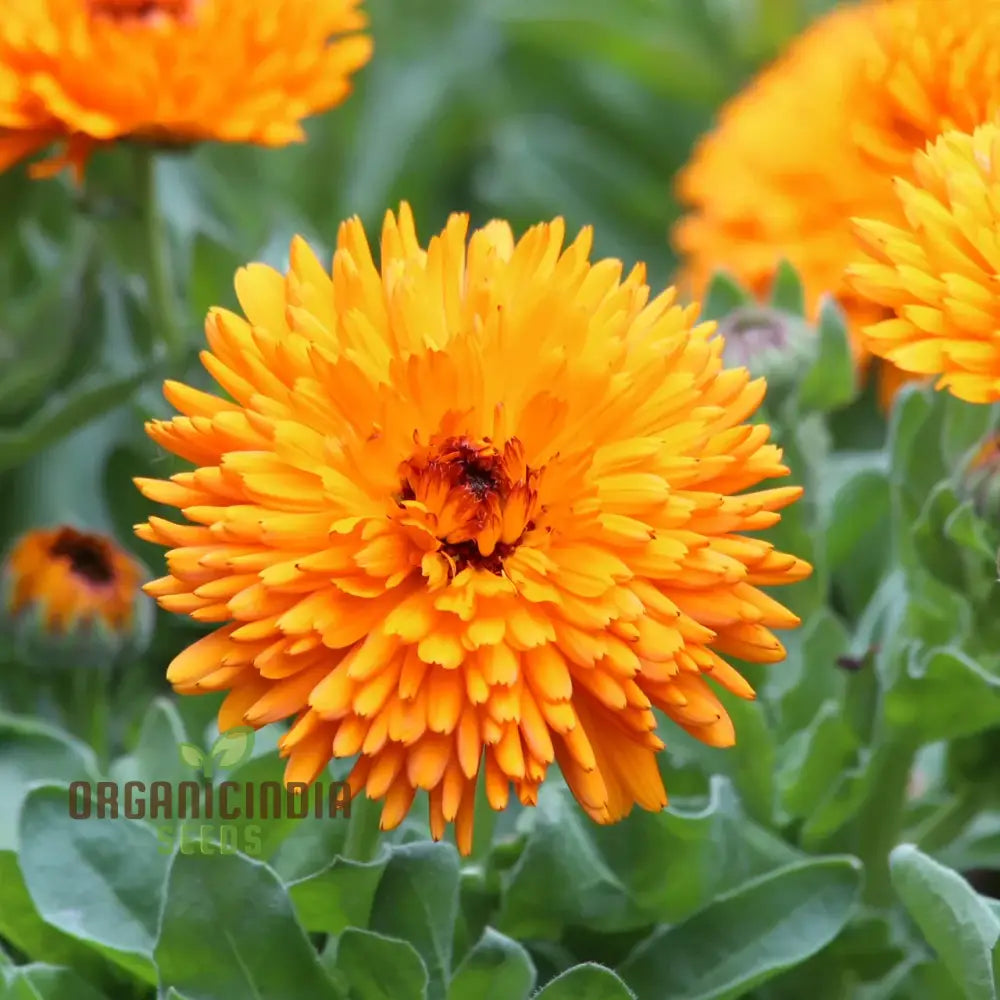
(881, 817)
(100, 722)
(160, 284)
(361, 842)
(949, 821)
(88, 713)
(19, 688)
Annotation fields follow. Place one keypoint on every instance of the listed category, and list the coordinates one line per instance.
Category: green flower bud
(776, 345)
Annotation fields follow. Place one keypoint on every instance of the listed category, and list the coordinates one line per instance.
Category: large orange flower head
(479, 507)
(937, 271)
(173, 71)
(819, 136)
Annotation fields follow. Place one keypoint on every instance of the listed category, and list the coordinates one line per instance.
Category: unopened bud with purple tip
(769, 343)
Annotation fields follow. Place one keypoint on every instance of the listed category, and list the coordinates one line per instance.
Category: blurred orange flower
(85, 72)
(70, 579)
(818, 137)
(479, 509)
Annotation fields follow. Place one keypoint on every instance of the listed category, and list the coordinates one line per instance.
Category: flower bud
(72, 599)
(776, 345)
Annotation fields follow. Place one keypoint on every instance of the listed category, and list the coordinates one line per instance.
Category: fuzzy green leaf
(955, 920)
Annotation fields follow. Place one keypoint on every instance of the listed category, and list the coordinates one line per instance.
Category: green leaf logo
(191, 755)
(233, 746)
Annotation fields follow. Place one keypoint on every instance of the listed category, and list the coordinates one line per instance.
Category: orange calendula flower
(86, 72)
(71, 579)
(937, 271)
(481, 508)
(819, 136)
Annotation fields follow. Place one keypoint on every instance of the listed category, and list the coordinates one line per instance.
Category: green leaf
(810, 676)
(724, 295)
(787, 293)
(870, 947)
(858, 512)
(47, 982)
(965, 528)
(838, 805)
(914, 446)
(31, 751)
(587, 982)
(312, 846)
(956, 921)
(965, 425)
(832, 382)
(497, 968)
(40, 327)
(910, 410)
(23, 927)
(936, 552)
(233, 746)
(943, 695)
(749, 935)
(228, 929)
(191, 755)
(933, 981)
(89, 398)
(858, 536)
(812, 760)
(118, 866)
(155, 755)
(581, 886)
(883, 615)
(977, 845)
(752, 771)
(938, 615)
(656, 867)
(376, 967)
(339, 896)
(417, 900)
(266, 834)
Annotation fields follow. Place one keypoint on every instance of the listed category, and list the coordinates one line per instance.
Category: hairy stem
(881, 817)
(160, 285)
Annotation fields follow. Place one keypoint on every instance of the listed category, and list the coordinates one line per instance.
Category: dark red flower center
(89, 556)
(482, 497)
(141, 10)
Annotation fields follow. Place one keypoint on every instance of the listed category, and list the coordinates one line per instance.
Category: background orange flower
(171, 71)
(936, 272)
(819, 136)
(72, 578)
